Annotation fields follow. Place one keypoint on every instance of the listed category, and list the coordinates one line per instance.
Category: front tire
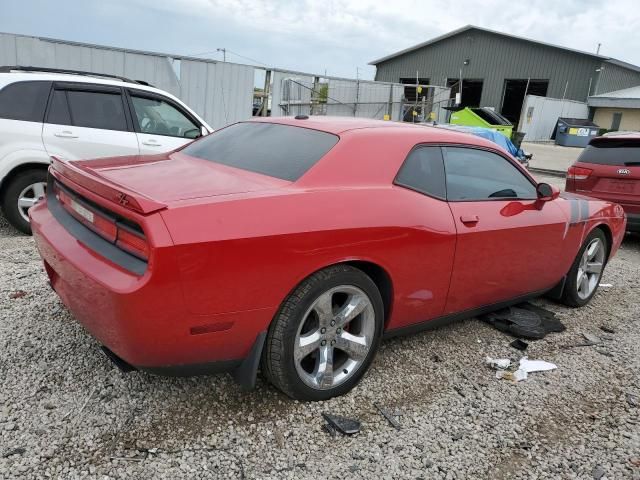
(585, 274)
(23, 191)
(325, 335)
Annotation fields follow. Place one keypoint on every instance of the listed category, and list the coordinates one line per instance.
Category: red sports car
(295, 245)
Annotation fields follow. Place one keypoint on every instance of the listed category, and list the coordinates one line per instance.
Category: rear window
(279, 151)
(613, 152)
(24, 101)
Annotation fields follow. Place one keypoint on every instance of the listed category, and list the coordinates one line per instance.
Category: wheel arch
(18, 169)
(608, 234)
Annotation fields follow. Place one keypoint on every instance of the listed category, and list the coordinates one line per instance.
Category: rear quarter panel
(251, 254)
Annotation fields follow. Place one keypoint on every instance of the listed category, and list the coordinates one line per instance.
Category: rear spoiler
(89, 179)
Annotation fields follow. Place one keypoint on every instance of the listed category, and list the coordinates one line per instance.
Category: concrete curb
(547, 171)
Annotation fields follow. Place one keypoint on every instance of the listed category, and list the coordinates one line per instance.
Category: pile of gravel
(66, 412)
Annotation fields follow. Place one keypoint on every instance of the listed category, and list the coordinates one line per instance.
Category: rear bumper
(142, 319)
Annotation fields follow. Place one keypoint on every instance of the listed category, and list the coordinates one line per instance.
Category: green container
(481, 117)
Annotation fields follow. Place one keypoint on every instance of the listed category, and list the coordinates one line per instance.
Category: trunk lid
(168, 178)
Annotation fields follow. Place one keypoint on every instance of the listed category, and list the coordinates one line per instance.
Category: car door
(86, 121)
(161, 124)
(508, 241)
(429, 258)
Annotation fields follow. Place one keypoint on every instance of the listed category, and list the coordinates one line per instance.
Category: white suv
(74, 115)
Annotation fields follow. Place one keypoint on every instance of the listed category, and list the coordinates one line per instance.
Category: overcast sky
(313, 36)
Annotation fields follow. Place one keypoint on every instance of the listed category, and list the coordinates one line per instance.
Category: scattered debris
(531, 366)
(519, 345)
(524, 320)
(606, 329)
(516, 376)
(593, 339)
(436, 358)
(498, 362)
(347, 426)
(18, 294)
(605, 285)
(635, 462)
(14, 451)
(632, 400)
(330, 430)
(525, 367)
(457, 436)
(459, 390)
(390, 416)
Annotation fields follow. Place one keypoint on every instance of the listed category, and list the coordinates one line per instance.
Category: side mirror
(547, 192)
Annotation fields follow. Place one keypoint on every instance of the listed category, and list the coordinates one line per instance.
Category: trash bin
(575, 132)
(517, 137)
(480, 117)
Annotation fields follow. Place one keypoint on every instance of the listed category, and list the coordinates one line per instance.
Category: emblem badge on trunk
(624, 171)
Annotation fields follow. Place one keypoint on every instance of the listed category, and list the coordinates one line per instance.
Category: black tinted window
(614, 152)
(423, 171)
(97, 110)
(477, 175)
(24, 101)
(280, 151)
(59, 109)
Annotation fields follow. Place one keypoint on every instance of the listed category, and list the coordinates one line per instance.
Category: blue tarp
(490, 135)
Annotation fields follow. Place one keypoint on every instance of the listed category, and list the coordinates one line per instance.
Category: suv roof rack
(10, 68)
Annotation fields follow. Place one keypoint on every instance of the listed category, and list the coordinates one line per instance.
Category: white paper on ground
(536, 365)
(498, 362)
(516, 376)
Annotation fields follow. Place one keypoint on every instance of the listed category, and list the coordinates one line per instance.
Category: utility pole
(224, 53)
(598, 49)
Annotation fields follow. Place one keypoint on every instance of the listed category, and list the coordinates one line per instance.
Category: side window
(158, 117)
(479, 175)
(59, 109)
(24, 101)
(423, 171)
(97, 110)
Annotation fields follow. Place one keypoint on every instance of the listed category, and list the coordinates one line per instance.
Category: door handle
(152, 143)
(65, 134)
(469, 219)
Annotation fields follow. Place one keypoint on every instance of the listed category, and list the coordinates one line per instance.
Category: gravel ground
(66, 412)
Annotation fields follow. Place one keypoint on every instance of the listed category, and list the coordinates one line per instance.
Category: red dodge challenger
(295, 244)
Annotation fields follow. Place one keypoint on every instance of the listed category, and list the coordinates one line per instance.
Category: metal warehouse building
(498, 70)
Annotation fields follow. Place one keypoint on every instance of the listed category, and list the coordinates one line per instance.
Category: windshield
(613, 152)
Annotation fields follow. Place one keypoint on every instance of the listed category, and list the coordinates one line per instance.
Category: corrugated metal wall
(494, 58)
(614, 77)
(540, 115)
(219, 92)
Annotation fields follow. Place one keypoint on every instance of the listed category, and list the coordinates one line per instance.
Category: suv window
(423, 171)
(59, 109)
(158, 117)
(618, 152)
(97, 110)
(474, 174)
(280, 151)
(24, 101)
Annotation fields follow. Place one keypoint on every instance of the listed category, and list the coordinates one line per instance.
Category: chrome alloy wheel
(28, 198)
(334, 337)
(590, 268)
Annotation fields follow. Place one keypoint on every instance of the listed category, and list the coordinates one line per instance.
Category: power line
(225, 51)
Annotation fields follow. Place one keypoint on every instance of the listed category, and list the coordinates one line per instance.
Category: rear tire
(583, 279)
(339, 306)
(17, 189)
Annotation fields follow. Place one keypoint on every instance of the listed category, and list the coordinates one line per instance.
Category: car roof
(421, 132)
(20, 76)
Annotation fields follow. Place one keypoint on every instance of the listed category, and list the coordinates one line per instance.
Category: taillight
(578, 173)
(133, 242)
(125, 234)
